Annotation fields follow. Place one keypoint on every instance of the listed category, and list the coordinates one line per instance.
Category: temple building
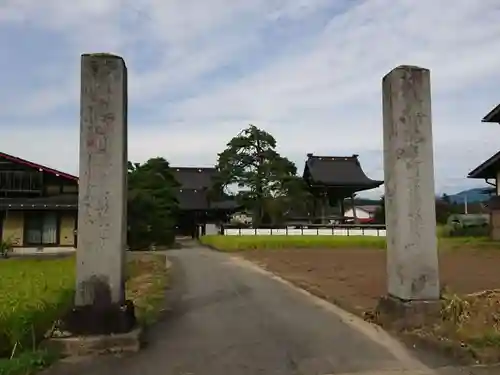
(199, 204)
(332, 179)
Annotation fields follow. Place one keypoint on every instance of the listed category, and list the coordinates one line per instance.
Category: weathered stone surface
(103, 181)
(99, 319)
(100, 306)
(398, 314)
(412, 261)
(76, 346)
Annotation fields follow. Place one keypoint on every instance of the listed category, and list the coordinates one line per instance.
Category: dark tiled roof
(57, 202)
(338, 171)
(487, 169)
(194, 178)
(40, 167)
(493, 116)
(193, 199)
(225, 205)
(190, 199)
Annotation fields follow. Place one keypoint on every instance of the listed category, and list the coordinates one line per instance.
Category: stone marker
(100, 305)
(412, 258)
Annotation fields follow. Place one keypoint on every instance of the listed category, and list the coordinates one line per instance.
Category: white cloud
(308, 73)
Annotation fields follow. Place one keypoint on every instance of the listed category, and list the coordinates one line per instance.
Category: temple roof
(191, 199)
(197, 200)
(488, 169)
(493, 115)
(194, 178)
(337, 171)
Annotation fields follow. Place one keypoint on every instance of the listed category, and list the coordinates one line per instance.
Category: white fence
(333, 231)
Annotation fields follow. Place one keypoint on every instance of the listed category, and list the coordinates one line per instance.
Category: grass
(27, 363)
(242, 243)
(32, 294)
(469, 325)
(35, 292)
(146, 286)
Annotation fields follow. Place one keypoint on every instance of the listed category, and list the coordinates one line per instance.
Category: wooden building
(38, 206)
(332, 179)
(198, 203)
(489, 171)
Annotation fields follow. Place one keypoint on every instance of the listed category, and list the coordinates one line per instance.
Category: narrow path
(228, 318)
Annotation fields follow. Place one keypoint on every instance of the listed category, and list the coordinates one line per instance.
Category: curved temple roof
(337, 172)
(194, 178)
(488, 169)
(193, 192)
(493, 115)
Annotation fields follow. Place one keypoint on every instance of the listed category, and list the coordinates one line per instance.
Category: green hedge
(240, 243)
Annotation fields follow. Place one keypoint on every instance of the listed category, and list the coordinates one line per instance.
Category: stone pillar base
(402, 315)
(80, 346)
(99, 319)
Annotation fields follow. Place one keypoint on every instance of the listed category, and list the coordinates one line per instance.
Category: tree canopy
(267, 181)
(152, 204)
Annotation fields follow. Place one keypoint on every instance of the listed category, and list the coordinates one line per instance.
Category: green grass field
(34, 293)
(242, 243)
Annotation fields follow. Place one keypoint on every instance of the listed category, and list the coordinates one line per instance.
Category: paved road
(228, 318)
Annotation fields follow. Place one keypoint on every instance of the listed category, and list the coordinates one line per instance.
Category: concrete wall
(304, 232)
(43, 250)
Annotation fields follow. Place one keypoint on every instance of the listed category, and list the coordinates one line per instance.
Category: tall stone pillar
(412, 257)
(102, 216)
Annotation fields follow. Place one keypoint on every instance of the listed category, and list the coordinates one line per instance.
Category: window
(40, 228)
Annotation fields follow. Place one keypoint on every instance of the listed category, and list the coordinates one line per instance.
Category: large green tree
(152, 204)
(264, 177)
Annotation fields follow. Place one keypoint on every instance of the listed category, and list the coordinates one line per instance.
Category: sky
(307, 71)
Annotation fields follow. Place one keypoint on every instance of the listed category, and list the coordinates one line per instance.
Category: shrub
(468, 231)
(239, 243)
(5, 248)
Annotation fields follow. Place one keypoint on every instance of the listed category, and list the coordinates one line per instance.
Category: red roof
(40, 167)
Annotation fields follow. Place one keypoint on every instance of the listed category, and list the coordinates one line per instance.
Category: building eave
(488, 169)
(493, 115)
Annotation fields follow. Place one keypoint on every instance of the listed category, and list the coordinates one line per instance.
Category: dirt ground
(356, 278)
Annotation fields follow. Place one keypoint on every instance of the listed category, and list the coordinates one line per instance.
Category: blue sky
(308, 71)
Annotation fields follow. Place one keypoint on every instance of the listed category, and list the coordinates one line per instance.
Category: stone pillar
(412, 257)
(102, 216)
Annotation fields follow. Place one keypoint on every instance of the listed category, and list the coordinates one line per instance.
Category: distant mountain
(472, 195)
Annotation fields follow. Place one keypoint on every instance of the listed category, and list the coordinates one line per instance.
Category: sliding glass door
(40, 228)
